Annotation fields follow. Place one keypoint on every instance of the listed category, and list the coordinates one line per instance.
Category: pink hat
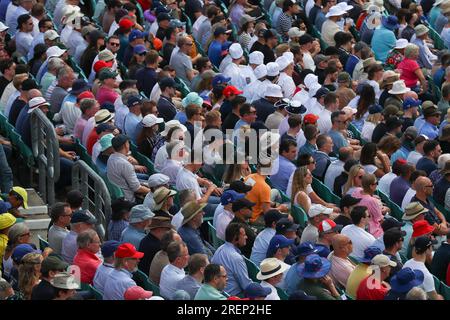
(137, 293)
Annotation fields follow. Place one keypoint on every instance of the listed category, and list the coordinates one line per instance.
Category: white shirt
(9, 90)
(334, 169)
(361, 239)
(187, 180)
(170, 276)
(309, 5)
(408, 197)
(376, 87)
(272, 295)
(414, 157)
(69, 114)
(384, 184)
(428, 281)
(302, 96)
(79, 51)
(90, 125)
(75, 40)
(148, 200)
(308, 61)
(223, 220)
(225, 62)
(219, 210)
(37, 39)
(23, 42)
(367, 130)
(10, 17)
(65, 34)
(324, 121)
(177, 220)
(113, 28)
(96, 149)
(251, 90)
(246, 76)
(316, 108)
(171, 169)
(155, 94)
(287, 85)
(233, 71)
(197, 24)
(161, 157)
(261, 244)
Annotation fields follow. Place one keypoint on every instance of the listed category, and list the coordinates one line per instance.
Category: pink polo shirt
(374, 208)
(106, 95)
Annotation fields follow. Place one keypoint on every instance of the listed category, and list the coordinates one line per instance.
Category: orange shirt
(259, 194)
(88, 263)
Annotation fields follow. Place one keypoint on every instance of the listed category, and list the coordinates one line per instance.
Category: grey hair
(33, 93)
(55, 64)
(174, 146)
(128, 93)
(411, 50)
(181, 39)
(443, 158)
(16, 231)
(64, 72)
(85, 238)
(416, 293)
(186, 195)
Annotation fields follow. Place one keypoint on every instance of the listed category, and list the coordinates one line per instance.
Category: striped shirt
(284, 23)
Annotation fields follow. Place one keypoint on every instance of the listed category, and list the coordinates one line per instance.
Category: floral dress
(393, 59)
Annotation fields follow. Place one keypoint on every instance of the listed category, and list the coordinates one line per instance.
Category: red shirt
(371, 289)
(92, 139)
(88, 264)
(407, 69)
(105, 94)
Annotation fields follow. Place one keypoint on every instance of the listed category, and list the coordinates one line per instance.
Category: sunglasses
(115, 44)
(142, 54)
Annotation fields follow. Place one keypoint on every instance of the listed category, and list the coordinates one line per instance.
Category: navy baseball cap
(133, 101)
(219, 31)
(163, 16)
(321, 92)
(230, 196)
(135, 34)
(240, 187)
(220, 79)
(375, 108)
(286, 225)
(109, 247)
(278, 242)
(167, 82)
(241, 204)
(369, 253)
(118, 141)
(305, 249)
(255, 290)
(83, 215)
(5, 206)
(21, 250)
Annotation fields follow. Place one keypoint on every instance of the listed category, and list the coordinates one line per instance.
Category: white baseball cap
(51, 35)
(150, 120)
(236, 51)
(260, 71)
(36, 103)
(317, 209)
(295, 32)
(256, 57)
(273, 69)
(54, 51)
(273, 90)
(3, 27)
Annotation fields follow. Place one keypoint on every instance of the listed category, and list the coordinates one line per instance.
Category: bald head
(345, 153)
(342, 246)
(422, 182)
(33, 93)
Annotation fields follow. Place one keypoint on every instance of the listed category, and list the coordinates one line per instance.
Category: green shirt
(316, 289)
(208, 292)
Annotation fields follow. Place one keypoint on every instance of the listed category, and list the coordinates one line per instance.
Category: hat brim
(262, 277)
(408, 218)
(427, 231)
(186, 220)
(404, 288)
(293, 110)
(160, 223)
(314, 275)
(305, 254)
(107, 119)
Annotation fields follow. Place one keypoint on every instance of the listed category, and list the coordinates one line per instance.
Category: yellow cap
(6, 220)
(23, 194)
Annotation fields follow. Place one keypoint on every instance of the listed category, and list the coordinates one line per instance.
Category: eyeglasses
(429, 186)
(25, 234)
(142, 54)
(115, 44)
(312, 162)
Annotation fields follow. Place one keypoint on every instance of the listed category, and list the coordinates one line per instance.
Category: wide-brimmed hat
(412, 210)
(65, 280)
(295, 32)
(421, 228)
(369, 253)
(190, 210)
(161, 195)
(421, 30)
(428, 112)
(161, 222)
(271, 267)
(170, 124)
(390, 22)
(335, 11)
(399, 87)
(314, 267)
(401, 44)
(103, 116)
(274, 91)
(295, 107)
(192, 98)
(406, 279)
(21, 194)
(140, 213)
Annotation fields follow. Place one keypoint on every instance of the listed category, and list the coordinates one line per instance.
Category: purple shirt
(399, 187)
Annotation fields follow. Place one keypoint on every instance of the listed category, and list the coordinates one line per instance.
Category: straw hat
(190, 210)
(271, 267)
(412, 210)
(399, 87)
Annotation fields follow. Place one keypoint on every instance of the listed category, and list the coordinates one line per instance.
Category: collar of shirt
(136, 229)
(231, 246)
(175, 269)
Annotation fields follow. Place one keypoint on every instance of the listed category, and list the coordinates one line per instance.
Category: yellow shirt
(259, 194)
(3, 244)
(361, 271)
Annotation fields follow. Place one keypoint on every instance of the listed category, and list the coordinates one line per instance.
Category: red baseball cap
(229, 90)
(85, 95)
(137, 293)
(157, 44)
(126, 24)
(127, 250)
(421, 228)
(328, 226)
(310, 119)
(100, 64)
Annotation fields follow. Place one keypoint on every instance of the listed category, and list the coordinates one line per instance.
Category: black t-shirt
(392, 295)
(445, 146)
(160, 34)
(379, 132)
(343, 220)
(3, 83)
(407, 122)
(320, 73)
(339, 182)
(43, 291)
(269, 56)
(16, 107)
(230, 121)
(167, 52)
(149, 245)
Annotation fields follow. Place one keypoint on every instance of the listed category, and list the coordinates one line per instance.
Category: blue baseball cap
(5, 206)
(410, 103)
(255, 290)
(278, 242)
(369, 253)
(314, 267)
(230, 196)
(21, 250)
(375, 108)
(109, 247)
(305, 249)
(220, 79)
(406, 279)
(135, 34)
(140, 48)
(83, 215)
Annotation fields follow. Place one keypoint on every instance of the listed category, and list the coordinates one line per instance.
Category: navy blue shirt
(166, 108)
(264, 108)
(225, 109)
(23, 125)
(440, 189)
(146, 80)
(430, 216)
(426, 165)
(398, 189)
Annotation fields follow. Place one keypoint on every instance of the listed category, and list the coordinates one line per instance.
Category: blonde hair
(28, 277)
(375, 118)
(367, 180)
(351, 176)
(299, 182)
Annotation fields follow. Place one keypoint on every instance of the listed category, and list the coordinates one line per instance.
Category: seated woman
(374, 206)
(374, 118)
(302, 178)
(411, 72)
(149, 134)
(354, 180)
(375, 161)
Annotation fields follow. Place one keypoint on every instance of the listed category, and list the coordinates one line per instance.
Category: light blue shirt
(441, 127)
(338, 140)
(259, 250)
(117, 283)
(101, 275)
(401, 153)
(132, 126)
(292, 279)
(408, 228)
(441, 21)
(276, 14)
(419, 122)
(424, 59)
(132, 235)
(232, 260)
(281, 178)
(37, 40)
(431, 131)
(69, 247)
(383, 41)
